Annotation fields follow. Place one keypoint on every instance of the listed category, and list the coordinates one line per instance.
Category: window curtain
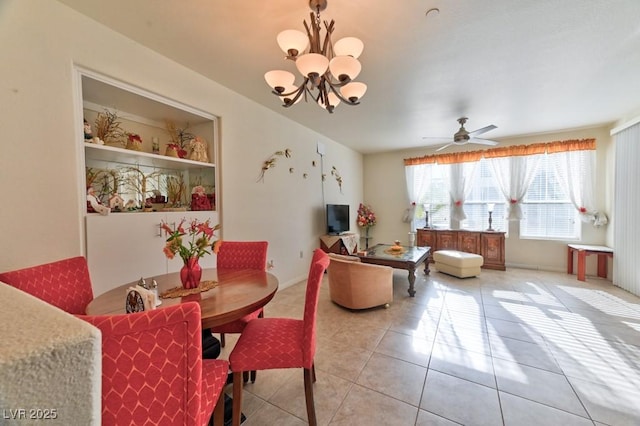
(514, 175)
(575, 170)
(462, 175)
(417, 178)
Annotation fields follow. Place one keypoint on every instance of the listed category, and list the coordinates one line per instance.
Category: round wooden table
(238, 293)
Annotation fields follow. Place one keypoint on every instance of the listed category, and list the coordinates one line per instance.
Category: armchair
(357, 285)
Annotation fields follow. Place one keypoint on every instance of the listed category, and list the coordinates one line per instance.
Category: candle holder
(490, 209)
(426, 216)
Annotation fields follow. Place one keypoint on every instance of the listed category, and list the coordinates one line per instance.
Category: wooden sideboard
(488, 244)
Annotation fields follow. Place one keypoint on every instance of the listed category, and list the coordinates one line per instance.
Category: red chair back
(152, 366)
(319, 264)
(242, 255)
(65, 283)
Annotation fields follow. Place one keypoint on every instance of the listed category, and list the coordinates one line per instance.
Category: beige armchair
(357, 285)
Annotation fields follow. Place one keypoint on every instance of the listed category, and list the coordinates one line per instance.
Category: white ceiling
(527, 66)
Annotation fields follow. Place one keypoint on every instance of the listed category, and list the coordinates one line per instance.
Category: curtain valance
(509, 151)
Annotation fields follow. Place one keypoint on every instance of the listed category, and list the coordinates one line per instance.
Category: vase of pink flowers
(191, 242)
(366, 219)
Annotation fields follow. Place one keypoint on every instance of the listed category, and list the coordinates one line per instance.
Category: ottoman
(458, 263)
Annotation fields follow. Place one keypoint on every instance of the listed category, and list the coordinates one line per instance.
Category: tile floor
(519, 347)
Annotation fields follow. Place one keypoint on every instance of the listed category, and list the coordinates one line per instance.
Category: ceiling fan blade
(483, 141)
(481, 131)
(444, 146)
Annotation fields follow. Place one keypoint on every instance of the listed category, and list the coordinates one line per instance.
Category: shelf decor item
(179, 137)
(107, 128)
(200, 238)
(198, 149)
(134, 142)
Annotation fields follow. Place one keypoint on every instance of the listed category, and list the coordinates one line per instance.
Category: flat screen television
(337, 218)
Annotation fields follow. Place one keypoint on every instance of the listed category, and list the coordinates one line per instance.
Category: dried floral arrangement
(175, 190)
(271, 162)
(107, 128)
(135, 180)
(179, 137)
(105, 182)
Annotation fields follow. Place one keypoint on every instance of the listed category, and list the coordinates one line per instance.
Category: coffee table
(409, 258)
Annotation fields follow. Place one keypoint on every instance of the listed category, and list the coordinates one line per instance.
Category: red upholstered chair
(270, 343)
(153, 372)
(241, 255)
(64, 283)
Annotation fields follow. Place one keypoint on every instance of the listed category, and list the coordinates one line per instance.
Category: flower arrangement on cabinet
(199, 236)
(366, 216)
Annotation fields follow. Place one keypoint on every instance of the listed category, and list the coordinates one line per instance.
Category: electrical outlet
(301, 254)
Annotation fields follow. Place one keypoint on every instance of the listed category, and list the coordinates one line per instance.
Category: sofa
(357, 285)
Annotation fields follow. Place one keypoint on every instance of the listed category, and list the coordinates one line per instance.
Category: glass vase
(191, 273)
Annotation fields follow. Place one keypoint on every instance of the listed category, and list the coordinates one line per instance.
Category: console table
(339, 244)
(488, 244)
(603, 253)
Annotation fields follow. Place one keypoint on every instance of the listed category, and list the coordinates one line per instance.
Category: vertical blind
(626, 234)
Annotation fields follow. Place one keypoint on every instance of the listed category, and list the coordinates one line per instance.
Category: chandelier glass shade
(328, 69)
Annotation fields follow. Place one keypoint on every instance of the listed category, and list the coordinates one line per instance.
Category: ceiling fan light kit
(328, 69)
(463, 136)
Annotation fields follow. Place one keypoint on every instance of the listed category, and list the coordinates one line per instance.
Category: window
(434, 182)
(548, 211)
(485, 191)
(559, 182)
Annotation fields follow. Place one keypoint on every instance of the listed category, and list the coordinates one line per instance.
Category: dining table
(237, 292)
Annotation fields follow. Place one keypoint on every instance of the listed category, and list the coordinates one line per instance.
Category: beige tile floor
(519, 347)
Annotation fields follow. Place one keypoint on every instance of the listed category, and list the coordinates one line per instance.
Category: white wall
(385, 191)
(42, 210)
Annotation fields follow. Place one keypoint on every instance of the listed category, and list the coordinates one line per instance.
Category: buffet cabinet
(488, 244)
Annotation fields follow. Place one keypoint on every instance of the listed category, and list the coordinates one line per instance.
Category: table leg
(582, 260)
(412, 280)
(602, 265)
(426, 267)
(570, 261)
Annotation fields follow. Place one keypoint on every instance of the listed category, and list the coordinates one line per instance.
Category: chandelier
(328, 69)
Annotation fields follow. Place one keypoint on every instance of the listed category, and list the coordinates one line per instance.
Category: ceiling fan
(463, 137)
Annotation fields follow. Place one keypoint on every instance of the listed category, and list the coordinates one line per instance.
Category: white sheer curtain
(462, 175)
(514, 175)
(575, 170)
(418, 178)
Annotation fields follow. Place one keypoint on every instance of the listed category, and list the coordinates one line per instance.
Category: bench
(458, 263)
(603, 253)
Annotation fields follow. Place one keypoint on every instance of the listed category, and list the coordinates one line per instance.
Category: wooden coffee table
(408, 259)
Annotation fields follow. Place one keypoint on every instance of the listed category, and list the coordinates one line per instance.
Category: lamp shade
(345, 66)
(348, 46)
(312, 63)
(333, 100)
(292, 40)
(353, 91)
(289, 89)
(279, 78)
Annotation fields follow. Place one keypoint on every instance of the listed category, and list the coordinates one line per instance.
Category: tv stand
(345, 244)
